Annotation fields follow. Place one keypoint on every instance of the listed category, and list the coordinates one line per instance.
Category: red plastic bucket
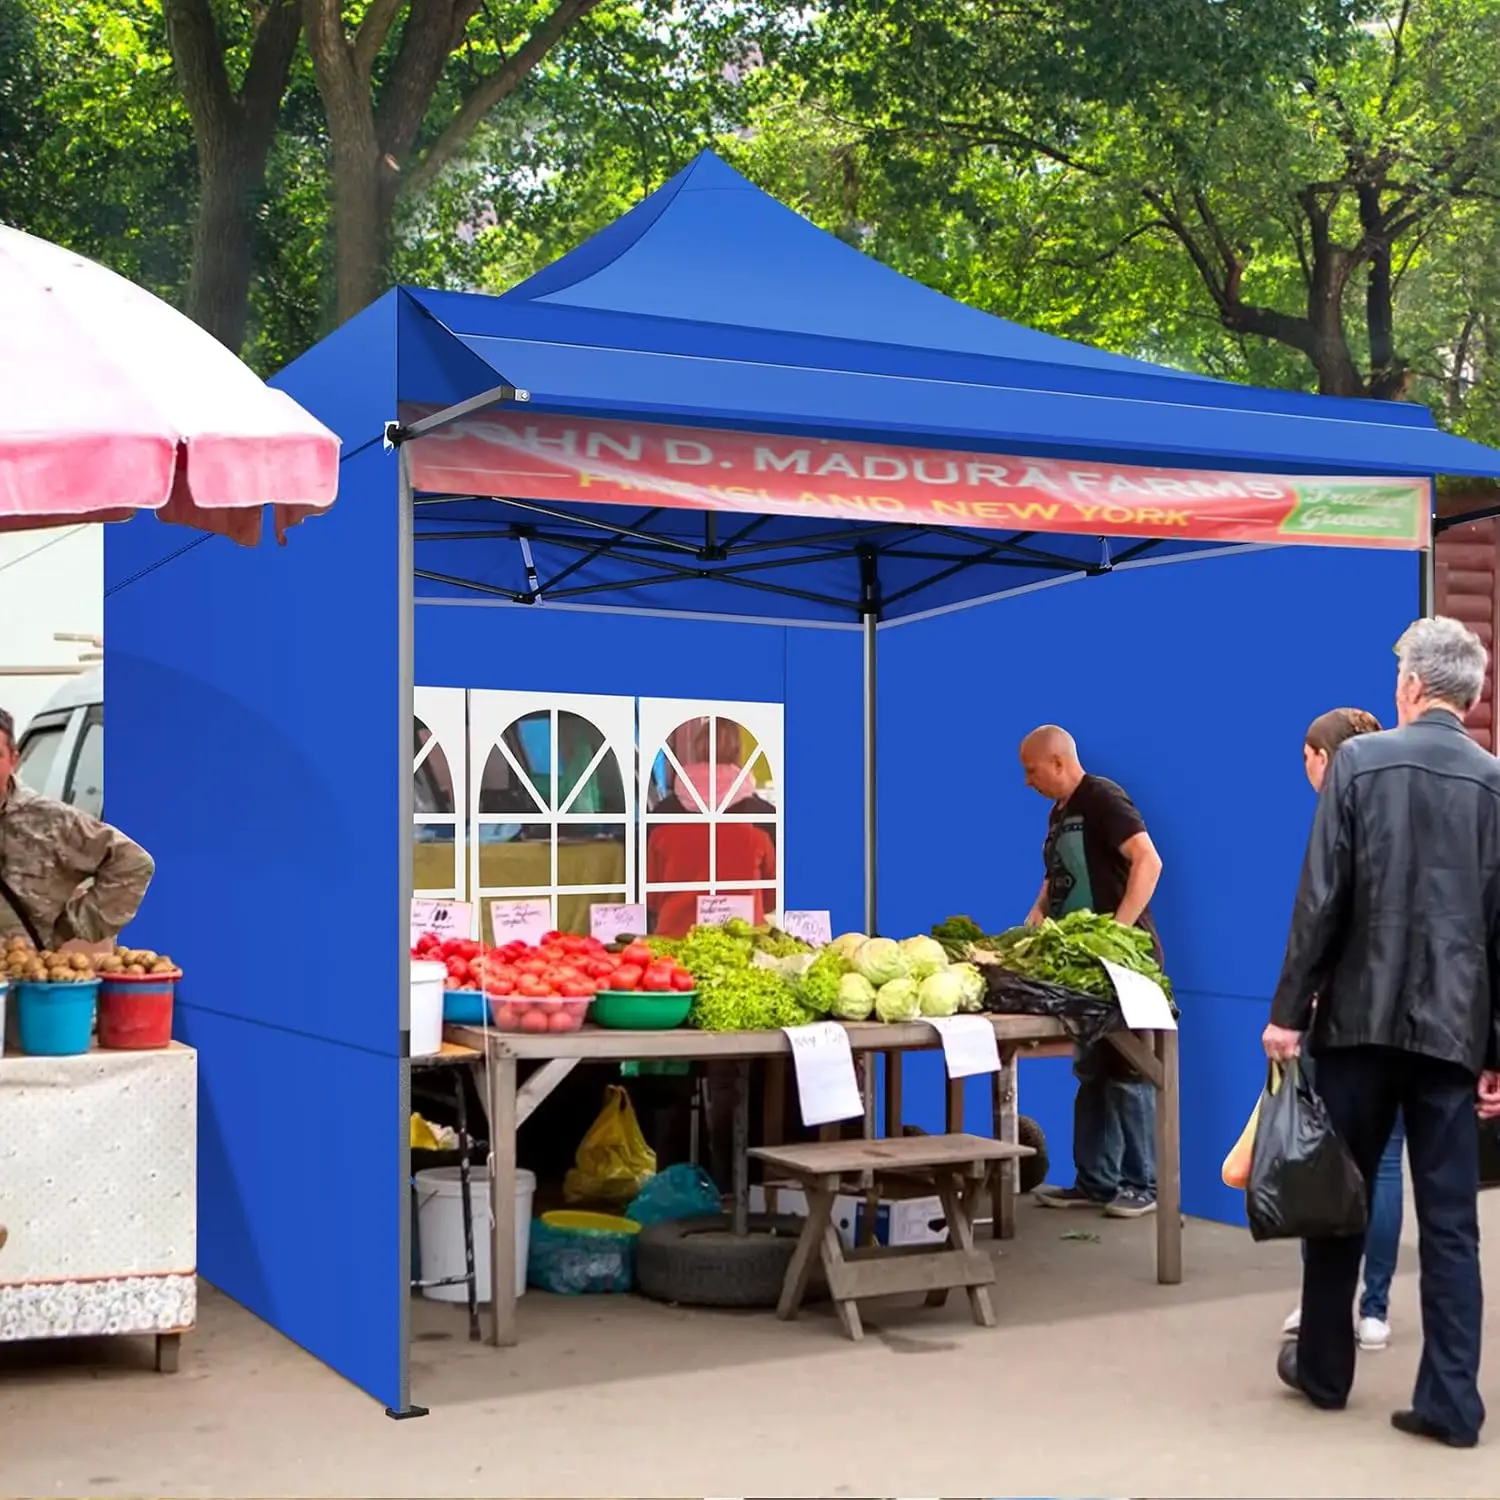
(135, 1011)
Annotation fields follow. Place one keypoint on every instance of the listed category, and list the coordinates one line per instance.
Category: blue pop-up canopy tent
(261, 708)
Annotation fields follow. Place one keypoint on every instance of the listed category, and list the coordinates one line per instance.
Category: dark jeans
(1114, 1128)
(1364, 1089)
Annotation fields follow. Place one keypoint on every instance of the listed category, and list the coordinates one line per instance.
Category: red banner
(576, 459)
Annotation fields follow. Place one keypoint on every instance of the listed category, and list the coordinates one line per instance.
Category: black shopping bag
(1304, 1185)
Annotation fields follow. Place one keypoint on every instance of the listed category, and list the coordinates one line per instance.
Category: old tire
(701, 1262)
(1033, 1168)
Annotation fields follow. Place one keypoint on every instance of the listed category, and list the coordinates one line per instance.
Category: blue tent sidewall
(1191, 684)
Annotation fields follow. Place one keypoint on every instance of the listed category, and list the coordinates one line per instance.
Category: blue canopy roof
(711, 304)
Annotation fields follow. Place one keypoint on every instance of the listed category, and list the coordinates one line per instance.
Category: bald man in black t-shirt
(1098, 857)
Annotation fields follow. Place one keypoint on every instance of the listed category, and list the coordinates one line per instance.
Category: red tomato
(657, 978)
(506, 1017)
(638, 953)
(535, 966)
(571, 944)
(457, 968)
(565, 1020)
(550, 937)
(494, 986)
(682, 980)
(599, 968)
(578, 989)
(469, 948)
(626, 977)
(536, 1020)
(532, 986)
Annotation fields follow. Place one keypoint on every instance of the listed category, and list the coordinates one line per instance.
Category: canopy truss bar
(469, 583)
(617, 530)
(397, 433)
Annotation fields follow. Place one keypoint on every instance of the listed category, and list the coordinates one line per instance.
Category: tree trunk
(218, 291)
(359, 222)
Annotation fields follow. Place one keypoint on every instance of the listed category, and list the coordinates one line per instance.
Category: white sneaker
(1374, 1333)
(1293, 1325)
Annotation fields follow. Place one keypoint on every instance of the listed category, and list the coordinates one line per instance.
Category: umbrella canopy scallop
(113, 402)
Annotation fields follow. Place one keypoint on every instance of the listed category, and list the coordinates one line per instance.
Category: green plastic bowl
(641, 1010)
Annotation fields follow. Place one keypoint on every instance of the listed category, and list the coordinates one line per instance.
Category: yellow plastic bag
(1236, 1169)
(613, 1161)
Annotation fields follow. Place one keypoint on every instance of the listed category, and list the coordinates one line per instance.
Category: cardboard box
(907, 1221)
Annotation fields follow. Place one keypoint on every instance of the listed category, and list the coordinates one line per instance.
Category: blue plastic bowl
(56, 1020)
(464, 1008)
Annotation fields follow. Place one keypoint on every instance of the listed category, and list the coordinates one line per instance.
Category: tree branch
(371, 35)
(198, 55)
(491, 90)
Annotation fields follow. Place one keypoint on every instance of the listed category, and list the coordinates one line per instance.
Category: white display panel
(440, 796)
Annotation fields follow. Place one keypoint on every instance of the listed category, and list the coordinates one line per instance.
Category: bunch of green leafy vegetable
(958, 935)
(748, 999)
(706, 949)
(818, 987)
(778, 944)
(1068, 952)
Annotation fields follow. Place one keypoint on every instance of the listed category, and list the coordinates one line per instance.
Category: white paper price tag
(520, 921)
(715, 911)
(826, 1086)
(814, 927)
(608, 921)
(969, 1044)
(1143, 1002)
(443, 919)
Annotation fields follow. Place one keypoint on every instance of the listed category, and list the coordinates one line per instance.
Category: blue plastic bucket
(464, 1008)
(57, 1020)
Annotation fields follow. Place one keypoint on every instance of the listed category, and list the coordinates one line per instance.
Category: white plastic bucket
(440, 1230)
(427, 980)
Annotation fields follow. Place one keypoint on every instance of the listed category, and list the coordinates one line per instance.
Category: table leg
(868, 1066)
(955, 1109)
(961, 1237)
(833, 1269)
(741, 1147)
(503, 1202)
(466, 1200)
(168, 1352)
(1168, 1164)
(805, 1256)
(1004, 1182)
(773, 1099)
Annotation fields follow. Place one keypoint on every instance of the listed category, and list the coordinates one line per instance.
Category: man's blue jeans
(1114, 1128)
(1383, 1231)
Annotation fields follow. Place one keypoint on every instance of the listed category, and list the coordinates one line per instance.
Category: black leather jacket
(1397, 923)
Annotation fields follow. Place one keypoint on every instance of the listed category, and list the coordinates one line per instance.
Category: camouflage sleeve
(113, 873)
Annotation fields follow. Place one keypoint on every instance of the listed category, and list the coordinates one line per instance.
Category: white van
(62, 749)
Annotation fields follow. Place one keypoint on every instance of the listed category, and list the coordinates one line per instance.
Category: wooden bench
(953, 1168)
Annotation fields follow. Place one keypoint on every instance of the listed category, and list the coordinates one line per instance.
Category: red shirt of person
(677, 853)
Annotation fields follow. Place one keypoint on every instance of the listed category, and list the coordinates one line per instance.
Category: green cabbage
(897, 1000)
(971, 986)
(855, 999)
(924, 955)
(848, 944)
(939, 994)
(880, 960)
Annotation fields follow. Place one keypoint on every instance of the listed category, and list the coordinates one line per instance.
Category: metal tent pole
(405, 710)
(870, 605)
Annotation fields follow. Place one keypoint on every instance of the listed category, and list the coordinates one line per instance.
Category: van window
(39, 749)
(85, 788)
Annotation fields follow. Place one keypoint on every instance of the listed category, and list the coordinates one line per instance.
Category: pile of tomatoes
(548, 987)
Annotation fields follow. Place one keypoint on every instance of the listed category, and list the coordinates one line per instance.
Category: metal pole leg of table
(1168, 1164)
(503, 1202)
(742, 1147)
(466, 1198)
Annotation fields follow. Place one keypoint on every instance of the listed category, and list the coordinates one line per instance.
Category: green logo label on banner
(1388, 512)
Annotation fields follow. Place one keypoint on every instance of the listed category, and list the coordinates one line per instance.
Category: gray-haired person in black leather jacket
(1396, 931)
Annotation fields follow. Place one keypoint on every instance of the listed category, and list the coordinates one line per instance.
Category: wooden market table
(511, 1101)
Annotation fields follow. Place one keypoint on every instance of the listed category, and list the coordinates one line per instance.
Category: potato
(82, 961)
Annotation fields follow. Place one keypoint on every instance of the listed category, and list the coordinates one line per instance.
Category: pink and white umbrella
(112, 402)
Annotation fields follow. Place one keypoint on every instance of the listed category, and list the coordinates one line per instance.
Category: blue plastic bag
(577, 1263)
(683, 1191)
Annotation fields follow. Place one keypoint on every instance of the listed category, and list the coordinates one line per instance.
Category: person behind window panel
(64, 876)
(677, 853)
(1098, 857)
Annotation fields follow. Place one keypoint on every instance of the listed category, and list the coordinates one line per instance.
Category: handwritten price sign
(715, 911)
(607, 921)
(520, 921)
(813, 927)
(443, 919)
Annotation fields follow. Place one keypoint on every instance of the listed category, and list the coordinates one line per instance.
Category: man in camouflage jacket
(77, 879)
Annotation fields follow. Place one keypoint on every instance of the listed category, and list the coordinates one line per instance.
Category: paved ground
(1098, 1382)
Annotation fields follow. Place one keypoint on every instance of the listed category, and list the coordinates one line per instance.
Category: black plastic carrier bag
(1304, 1185)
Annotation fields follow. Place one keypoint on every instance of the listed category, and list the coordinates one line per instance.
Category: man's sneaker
(1068, 1197)
(1130, 1204)
(1374, 1333)
(1293, 1325)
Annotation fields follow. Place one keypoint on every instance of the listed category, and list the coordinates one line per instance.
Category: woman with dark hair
(1383, 1234)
